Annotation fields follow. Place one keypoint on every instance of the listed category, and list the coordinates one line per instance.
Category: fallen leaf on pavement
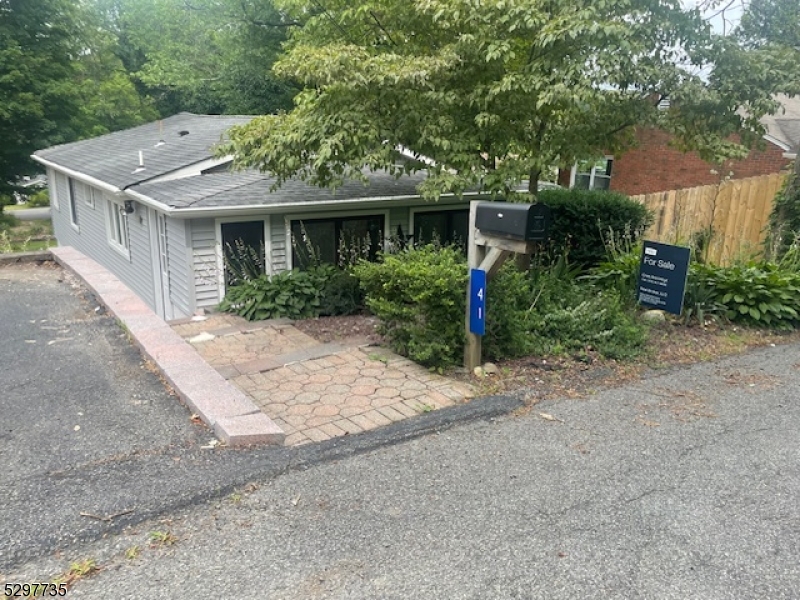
(549, 417)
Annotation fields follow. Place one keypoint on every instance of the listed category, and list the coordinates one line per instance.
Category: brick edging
(235, 419)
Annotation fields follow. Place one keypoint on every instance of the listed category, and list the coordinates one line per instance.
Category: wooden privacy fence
(732, 215)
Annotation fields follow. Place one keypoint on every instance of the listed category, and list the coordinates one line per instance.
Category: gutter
(222, 211)
(267, 209)
(79, 176)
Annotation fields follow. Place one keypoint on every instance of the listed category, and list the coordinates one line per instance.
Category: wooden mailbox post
(505, 229)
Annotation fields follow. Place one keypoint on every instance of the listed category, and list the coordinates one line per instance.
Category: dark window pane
(243, 244)
(459, 225)
(444, 226)
(430, 227)
(339, 241)
(313, 241)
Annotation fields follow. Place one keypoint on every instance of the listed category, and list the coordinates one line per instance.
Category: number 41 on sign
(477, 301)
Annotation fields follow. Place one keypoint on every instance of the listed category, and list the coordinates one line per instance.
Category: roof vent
(140, 168)
(183, 132)
(160, 141)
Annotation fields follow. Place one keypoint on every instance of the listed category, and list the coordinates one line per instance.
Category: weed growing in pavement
(379, 358)
(77, 570)
(133, 552)
(159, 539)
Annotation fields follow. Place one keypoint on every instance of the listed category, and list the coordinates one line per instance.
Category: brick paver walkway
(317, 391)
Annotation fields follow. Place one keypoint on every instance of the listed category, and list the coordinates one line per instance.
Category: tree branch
(382, 28)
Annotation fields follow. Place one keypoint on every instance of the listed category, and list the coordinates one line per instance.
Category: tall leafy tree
(498, 90)
(38, 48)
(206, 56)
(772, 28)
(59, 81)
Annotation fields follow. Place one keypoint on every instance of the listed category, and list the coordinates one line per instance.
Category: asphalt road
(681, 486)
(32, 214)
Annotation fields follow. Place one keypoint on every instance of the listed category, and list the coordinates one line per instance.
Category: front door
(243, 250)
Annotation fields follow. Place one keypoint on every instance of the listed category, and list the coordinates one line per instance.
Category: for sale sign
(662, 276)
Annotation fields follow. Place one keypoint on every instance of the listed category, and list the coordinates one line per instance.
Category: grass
(26, 236)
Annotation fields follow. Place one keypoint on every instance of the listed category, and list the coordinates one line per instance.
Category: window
(445, 226)
(73, 204)
(593, 174)
(244, 250)
(91, 195)
(117, 227)
(340, 241)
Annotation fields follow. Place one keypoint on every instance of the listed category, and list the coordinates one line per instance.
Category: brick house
(654, 166)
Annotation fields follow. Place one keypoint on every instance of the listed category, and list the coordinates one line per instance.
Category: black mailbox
(525, 222)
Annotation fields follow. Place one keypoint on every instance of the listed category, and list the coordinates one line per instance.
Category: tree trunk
(533, 183)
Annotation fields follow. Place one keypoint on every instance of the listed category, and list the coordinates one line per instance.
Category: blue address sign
(477, 301)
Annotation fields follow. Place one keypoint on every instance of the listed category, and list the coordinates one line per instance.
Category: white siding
(204, 261)
(92, 238)
(280, 246)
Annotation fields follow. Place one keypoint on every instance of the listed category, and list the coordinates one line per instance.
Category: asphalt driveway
(92, 443)
(73, 394)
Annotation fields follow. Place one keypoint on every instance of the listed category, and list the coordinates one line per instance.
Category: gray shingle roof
(251, 188)
(113, 158)
(785, 125)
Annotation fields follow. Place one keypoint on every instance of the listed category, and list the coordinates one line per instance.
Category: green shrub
(291, 294)
(419, 295)
(341, 294)
(620, 273)
(784, 220)
(39, 199)
(759, 294)
(701, 300)
(582, 218)
(7, 221)
(598, 321)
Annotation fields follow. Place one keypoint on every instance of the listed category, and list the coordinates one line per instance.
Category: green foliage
(620, 273)
(599, 321)
(7, 221)
(785, 217)
(39, 199)
(771, 22)
(319, 290)
(207, 56)
(758, 294)
(342, 294)
(583, 222)
(37, 40)
(291, 294)
(701, 301)
(419, 296)
(762, 294)
(497, 92)
(553, 312)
